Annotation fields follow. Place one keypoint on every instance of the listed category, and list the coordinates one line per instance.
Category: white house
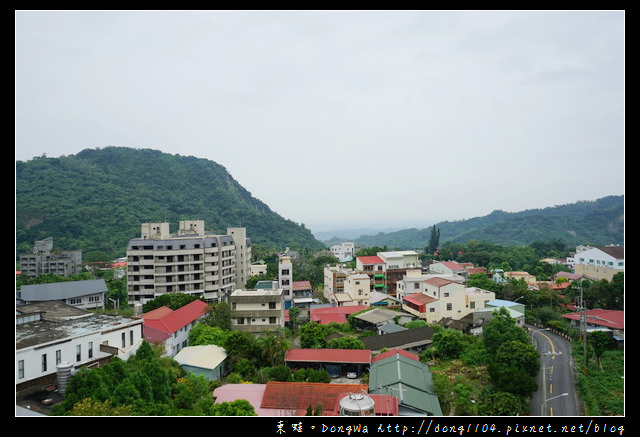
(52, 334)
(601, 262)
(171, 327)
(343, 251)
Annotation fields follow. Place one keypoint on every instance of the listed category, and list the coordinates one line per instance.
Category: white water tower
(357, 404)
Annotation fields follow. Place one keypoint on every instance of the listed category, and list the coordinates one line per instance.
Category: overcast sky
(339, 119)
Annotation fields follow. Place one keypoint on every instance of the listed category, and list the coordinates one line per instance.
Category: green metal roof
(407, 379)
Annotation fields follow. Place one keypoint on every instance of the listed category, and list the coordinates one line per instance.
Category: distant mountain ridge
(97, 199)
(598, 222)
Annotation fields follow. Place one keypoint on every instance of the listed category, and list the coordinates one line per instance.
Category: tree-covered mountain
(598, 222)
(97, 199)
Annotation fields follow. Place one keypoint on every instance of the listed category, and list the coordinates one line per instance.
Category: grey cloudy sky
(338, 119)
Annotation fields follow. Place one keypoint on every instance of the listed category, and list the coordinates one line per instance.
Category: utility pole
(583, 329)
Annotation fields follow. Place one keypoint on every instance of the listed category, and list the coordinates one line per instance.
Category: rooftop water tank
(64, 371)
(357, 404)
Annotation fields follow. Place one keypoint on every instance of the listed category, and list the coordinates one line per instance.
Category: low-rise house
(379, 299)
(404, 376)
(601, 262)
(520, 276)
(206, 360)
(335, 361)
(599, 319)
(334, 314)
(302, 293)
(416, 339)
(171, 327)
(258, 268)
(298, 398)
(344, 251)
(448, 268)
(515, 309)
(415, 281)
(53, 335)
(375, 317)
(259, 310)
(345, 287)
(445, 298)
(90, 294)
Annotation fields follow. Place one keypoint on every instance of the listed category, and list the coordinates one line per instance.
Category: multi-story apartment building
(191, 261)
(345, 287)
(601, 262)
(386, 268)
(257, 311)
(44, 260)
(443, 298)
(343, 251)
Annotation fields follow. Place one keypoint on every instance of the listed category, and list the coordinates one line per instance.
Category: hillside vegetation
(599, 222)
(97, 199)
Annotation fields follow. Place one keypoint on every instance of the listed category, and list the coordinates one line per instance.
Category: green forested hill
(598, 222)
(97, 199)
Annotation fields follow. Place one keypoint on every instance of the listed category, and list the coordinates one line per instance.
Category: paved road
(556, 395)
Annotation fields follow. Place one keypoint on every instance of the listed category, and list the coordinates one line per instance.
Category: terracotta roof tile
(370, 260)
(356, 356)
(173, 321)
(299, 396)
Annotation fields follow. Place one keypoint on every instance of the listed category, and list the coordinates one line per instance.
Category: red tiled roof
(452, 265)
(349, 309)
(420, 298)
(173, 321)
(158, 313)
(370, 260)
(153, 335)
(350, 356)
(334, 314)
(325, 319)
(439, 282)
(392, 352)
(298, 396)
(607, 318)
(301, 285)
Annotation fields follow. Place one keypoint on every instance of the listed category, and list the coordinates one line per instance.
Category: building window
(90, 350)
(78, 353)
(44, 362)
(21, 369)
(124, 344)
(58, 357)
(131, 338)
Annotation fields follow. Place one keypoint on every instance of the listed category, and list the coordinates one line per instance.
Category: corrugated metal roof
(203, 356)
(62, 290)
(408, 379)
(347, 356)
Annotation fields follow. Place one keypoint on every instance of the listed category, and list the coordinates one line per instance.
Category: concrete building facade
(192, 261)
(601, 262)
(257, 311)
(44, 260)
